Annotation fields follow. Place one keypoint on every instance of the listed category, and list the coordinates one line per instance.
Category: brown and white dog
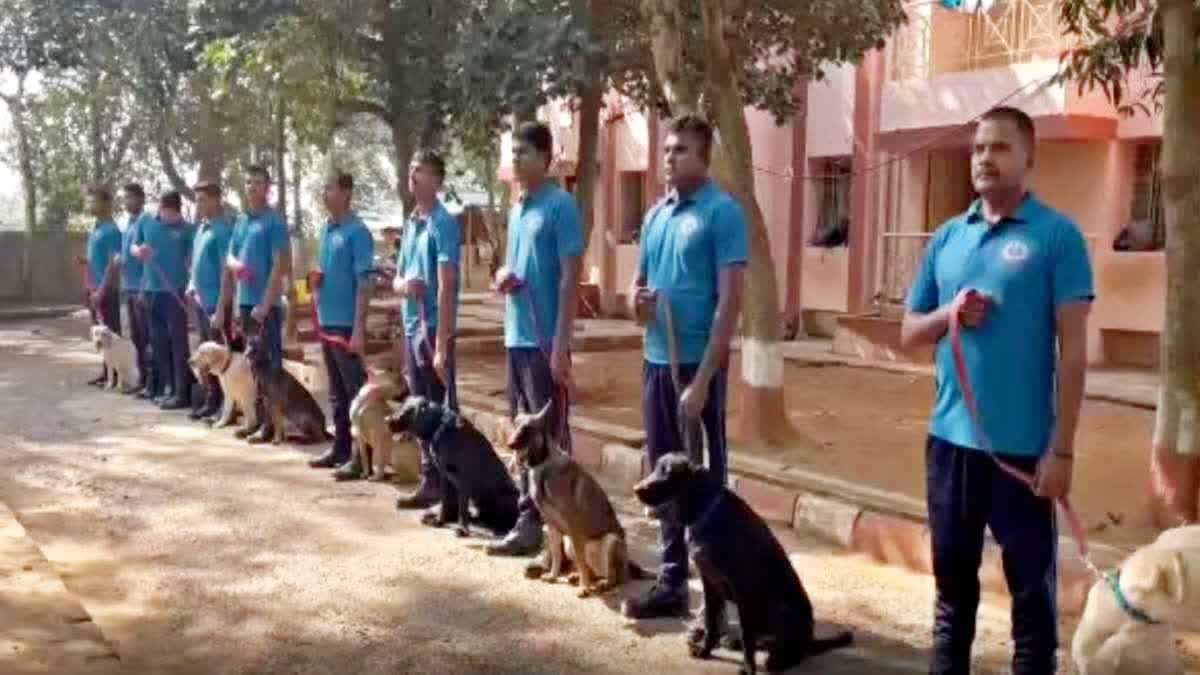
(375, 447)
(119, 357)
(237, 381)
(1159, 582)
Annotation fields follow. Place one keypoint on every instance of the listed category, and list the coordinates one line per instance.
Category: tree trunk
(402, 149)
(95, 128)
(1175, 488)
(281, 150)
(586, 158)
(162, 145)
(297, 178)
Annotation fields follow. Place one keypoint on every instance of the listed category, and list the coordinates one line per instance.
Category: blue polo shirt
(167, 269)
(257, 238)
(103, 244)
(131, 267)
(347, 254)
(1031, 264)
(428, 241)
(686, 242)
(208, 260)
(543, 228)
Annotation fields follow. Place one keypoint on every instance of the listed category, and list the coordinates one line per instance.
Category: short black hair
(258, 170)
(537, 136)
(134, 189)
(432, 160)
(171, 200)
(210, 188)
(342, 179)
(100, 192)
(1018, 117)
(696, 126)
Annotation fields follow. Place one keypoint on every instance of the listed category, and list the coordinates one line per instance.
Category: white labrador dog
(1159, 582)
(119, 357)
(237, 381)
(377, 449)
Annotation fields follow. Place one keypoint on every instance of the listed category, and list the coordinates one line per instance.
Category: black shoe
(246, 433)
(145, 395)
(426, 495)
(174, 403)
(204, 412)
(525, 538)
(98, 381)
(660, 602)
(265, 434)
(326, 460)
(351, 470)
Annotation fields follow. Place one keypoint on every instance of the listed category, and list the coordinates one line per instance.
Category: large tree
(1159, 41)
(717, 57)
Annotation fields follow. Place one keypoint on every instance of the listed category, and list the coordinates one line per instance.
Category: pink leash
(543, 345)
(1078, 532)
(328, 338)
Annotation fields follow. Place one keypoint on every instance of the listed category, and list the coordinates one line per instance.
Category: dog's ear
(1156, 571)
(1173, 578)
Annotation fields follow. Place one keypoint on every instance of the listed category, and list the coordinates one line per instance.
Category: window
(1146, 229)
(632, 205)
(833, 203)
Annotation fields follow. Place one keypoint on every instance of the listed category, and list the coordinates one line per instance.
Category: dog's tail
(822, 645)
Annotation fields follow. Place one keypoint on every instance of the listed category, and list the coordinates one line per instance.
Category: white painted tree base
(762, 364)
(1175, 423)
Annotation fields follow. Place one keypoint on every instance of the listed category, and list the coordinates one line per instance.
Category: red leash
(1078, 531)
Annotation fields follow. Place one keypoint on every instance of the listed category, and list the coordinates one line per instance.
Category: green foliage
(1118, 38)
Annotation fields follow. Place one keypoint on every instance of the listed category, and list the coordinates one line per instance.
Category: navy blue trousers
(423, 381)
(660, 415)
(967, 492)
(169, 340)
(139, 332)
(530, 387)
(346, 377)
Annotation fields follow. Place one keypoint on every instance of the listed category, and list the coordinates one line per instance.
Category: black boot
(524, 539)
(429, 490)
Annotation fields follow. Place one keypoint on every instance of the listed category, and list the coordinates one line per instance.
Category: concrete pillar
(607, 196)
(793, 304)
(868, 93)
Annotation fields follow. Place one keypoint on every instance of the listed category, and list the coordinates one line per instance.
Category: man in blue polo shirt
(134, 200)
(164, 245)
(204, 291)
(693, 252)
(260, 258)
(1025, 346)
(540, 281)
(427, 278)
(104, 244)
(343, 290)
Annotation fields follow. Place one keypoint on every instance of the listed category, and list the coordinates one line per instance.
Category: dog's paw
(573, 578)
(699, 645)
(462, 532)
(732, 642)
(547, 578)
(584, 593)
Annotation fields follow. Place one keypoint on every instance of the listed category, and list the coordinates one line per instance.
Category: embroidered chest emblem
(688, 225)
(338, 240)
(1015, 252)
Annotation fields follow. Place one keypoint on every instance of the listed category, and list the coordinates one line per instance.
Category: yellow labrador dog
(119, 357)
(375, 447)
(1126, 624)
(237, 381)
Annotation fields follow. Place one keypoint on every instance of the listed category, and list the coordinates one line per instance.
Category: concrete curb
(889, 528)
(35, 313)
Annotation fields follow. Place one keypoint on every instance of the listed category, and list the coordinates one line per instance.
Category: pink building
(883, 149)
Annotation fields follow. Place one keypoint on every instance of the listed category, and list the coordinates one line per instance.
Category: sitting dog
(374, 445)
(1126, 623)
(285, 399)
(574, 508)
(741, 561)
(119, 356)
(236, 378)
(466, 458)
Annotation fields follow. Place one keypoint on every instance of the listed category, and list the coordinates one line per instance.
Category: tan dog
(1160, 581)
(577, 512)
(237, 381)
(375, 447)
(119, 357)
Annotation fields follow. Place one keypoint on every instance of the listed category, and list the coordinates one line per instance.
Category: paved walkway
(194, 553)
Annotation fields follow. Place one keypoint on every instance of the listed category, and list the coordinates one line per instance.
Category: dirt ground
(194, 553)
(869, 426)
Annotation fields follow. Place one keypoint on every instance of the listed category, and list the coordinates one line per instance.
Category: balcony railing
(938, 41)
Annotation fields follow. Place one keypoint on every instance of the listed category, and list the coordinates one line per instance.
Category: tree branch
(354, 106)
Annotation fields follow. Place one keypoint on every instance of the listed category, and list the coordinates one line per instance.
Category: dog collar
(449, 419)
(700, 523)
(1113, 580)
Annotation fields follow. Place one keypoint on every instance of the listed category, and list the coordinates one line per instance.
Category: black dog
(284, 398)
(741, 561)
(467, 460)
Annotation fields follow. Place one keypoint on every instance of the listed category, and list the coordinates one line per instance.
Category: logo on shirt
(688, 225)
(338, 239)
(1015, 252)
